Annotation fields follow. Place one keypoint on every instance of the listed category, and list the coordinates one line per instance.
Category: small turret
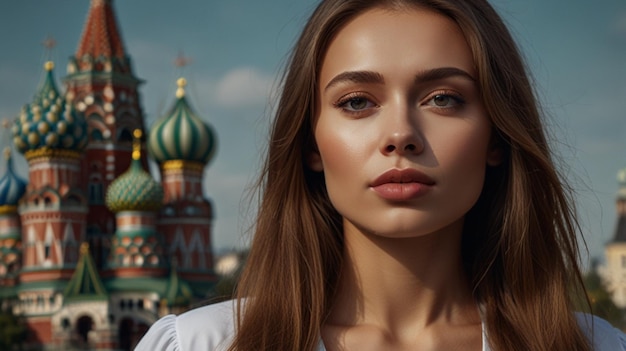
(135, 197)
(183, 145)
(12, 188)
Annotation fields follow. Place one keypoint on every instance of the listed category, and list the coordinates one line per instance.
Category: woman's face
(402, 135)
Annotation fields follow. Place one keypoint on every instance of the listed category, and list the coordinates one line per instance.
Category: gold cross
(6, 123)
(182, 60)
(49, 43)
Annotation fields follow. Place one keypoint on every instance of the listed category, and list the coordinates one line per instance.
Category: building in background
(92, 248)
(614, 271)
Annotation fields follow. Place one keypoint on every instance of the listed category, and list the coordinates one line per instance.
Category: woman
(409, 200)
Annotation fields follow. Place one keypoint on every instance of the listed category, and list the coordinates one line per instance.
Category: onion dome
(49, 122)
(181, 134)
(12, 188)
(135, 189)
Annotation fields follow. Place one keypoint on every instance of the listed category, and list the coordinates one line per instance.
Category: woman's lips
(402, 184)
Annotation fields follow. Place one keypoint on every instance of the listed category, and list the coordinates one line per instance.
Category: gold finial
(180, 92)
(49, 66)
(84, 248)
(7, 152)
(137, 144)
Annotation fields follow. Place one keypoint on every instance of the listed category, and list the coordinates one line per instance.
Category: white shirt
(211, 328)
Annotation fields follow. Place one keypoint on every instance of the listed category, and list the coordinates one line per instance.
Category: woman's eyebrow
(370, 77)
(441, 73)
(367, 77)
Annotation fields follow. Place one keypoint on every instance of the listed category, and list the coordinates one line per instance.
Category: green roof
(137, 284)
(55, 285)
(174, 290)
(85, 284)
(178, 291)
(7, 292)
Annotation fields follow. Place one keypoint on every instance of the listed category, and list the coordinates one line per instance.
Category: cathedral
(614, 271)
(93, 249)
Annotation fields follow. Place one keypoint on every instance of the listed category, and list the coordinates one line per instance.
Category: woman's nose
(402, 135)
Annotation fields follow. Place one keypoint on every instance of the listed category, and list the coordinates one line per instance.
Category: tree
(12, 331)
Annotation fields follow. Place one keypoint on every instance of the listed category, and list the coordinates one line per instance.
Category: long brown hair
(519, 242)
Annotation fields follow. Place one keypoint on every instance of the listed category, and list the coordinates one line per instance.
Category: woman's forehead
(412, 39)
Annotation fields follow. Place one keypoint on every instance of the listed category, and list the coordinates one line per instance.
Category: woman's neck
(400, 283)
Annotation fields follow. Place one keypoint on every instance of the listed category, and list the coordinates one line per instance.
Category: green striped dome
(181, 134)
(134, 190)
(49, 121)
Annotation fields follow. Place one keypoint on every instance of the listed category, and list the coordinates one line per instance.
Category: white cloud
(244, 87)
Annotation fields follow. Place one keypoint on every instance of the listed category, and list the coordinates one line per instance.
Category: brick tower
(101, 84)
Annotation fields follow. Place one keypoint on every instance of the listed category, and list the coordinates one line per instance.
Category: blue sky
(576, 50)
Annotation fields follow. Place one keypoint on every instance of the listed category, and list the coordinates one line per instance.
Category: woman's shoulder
(209, 327)
(603, 335)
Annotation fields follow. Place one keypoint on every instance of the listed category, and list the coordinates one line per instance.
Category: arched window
(125, 334)
(96, 126)
(125, 135)
(73, 200)
(96, 135)
(83, 326)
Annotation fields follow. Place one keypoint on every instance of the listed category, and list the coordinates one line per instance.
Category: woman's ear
(314, 161)
(495, 152)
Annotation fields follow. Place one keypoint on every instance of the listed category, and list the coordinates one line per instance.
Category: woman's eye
(355, 104)
(442, 100)
(445, 101)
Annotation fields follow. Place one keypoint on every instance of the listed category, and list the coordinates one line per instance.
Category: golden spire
(180, 92)
(137, 144)
(49, 66)
(181, 62)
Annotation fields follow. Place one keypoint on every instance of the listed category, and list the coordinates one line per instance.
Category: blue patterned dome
(181, 134)
(135, 189)
(12, 187)
(49, 122)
